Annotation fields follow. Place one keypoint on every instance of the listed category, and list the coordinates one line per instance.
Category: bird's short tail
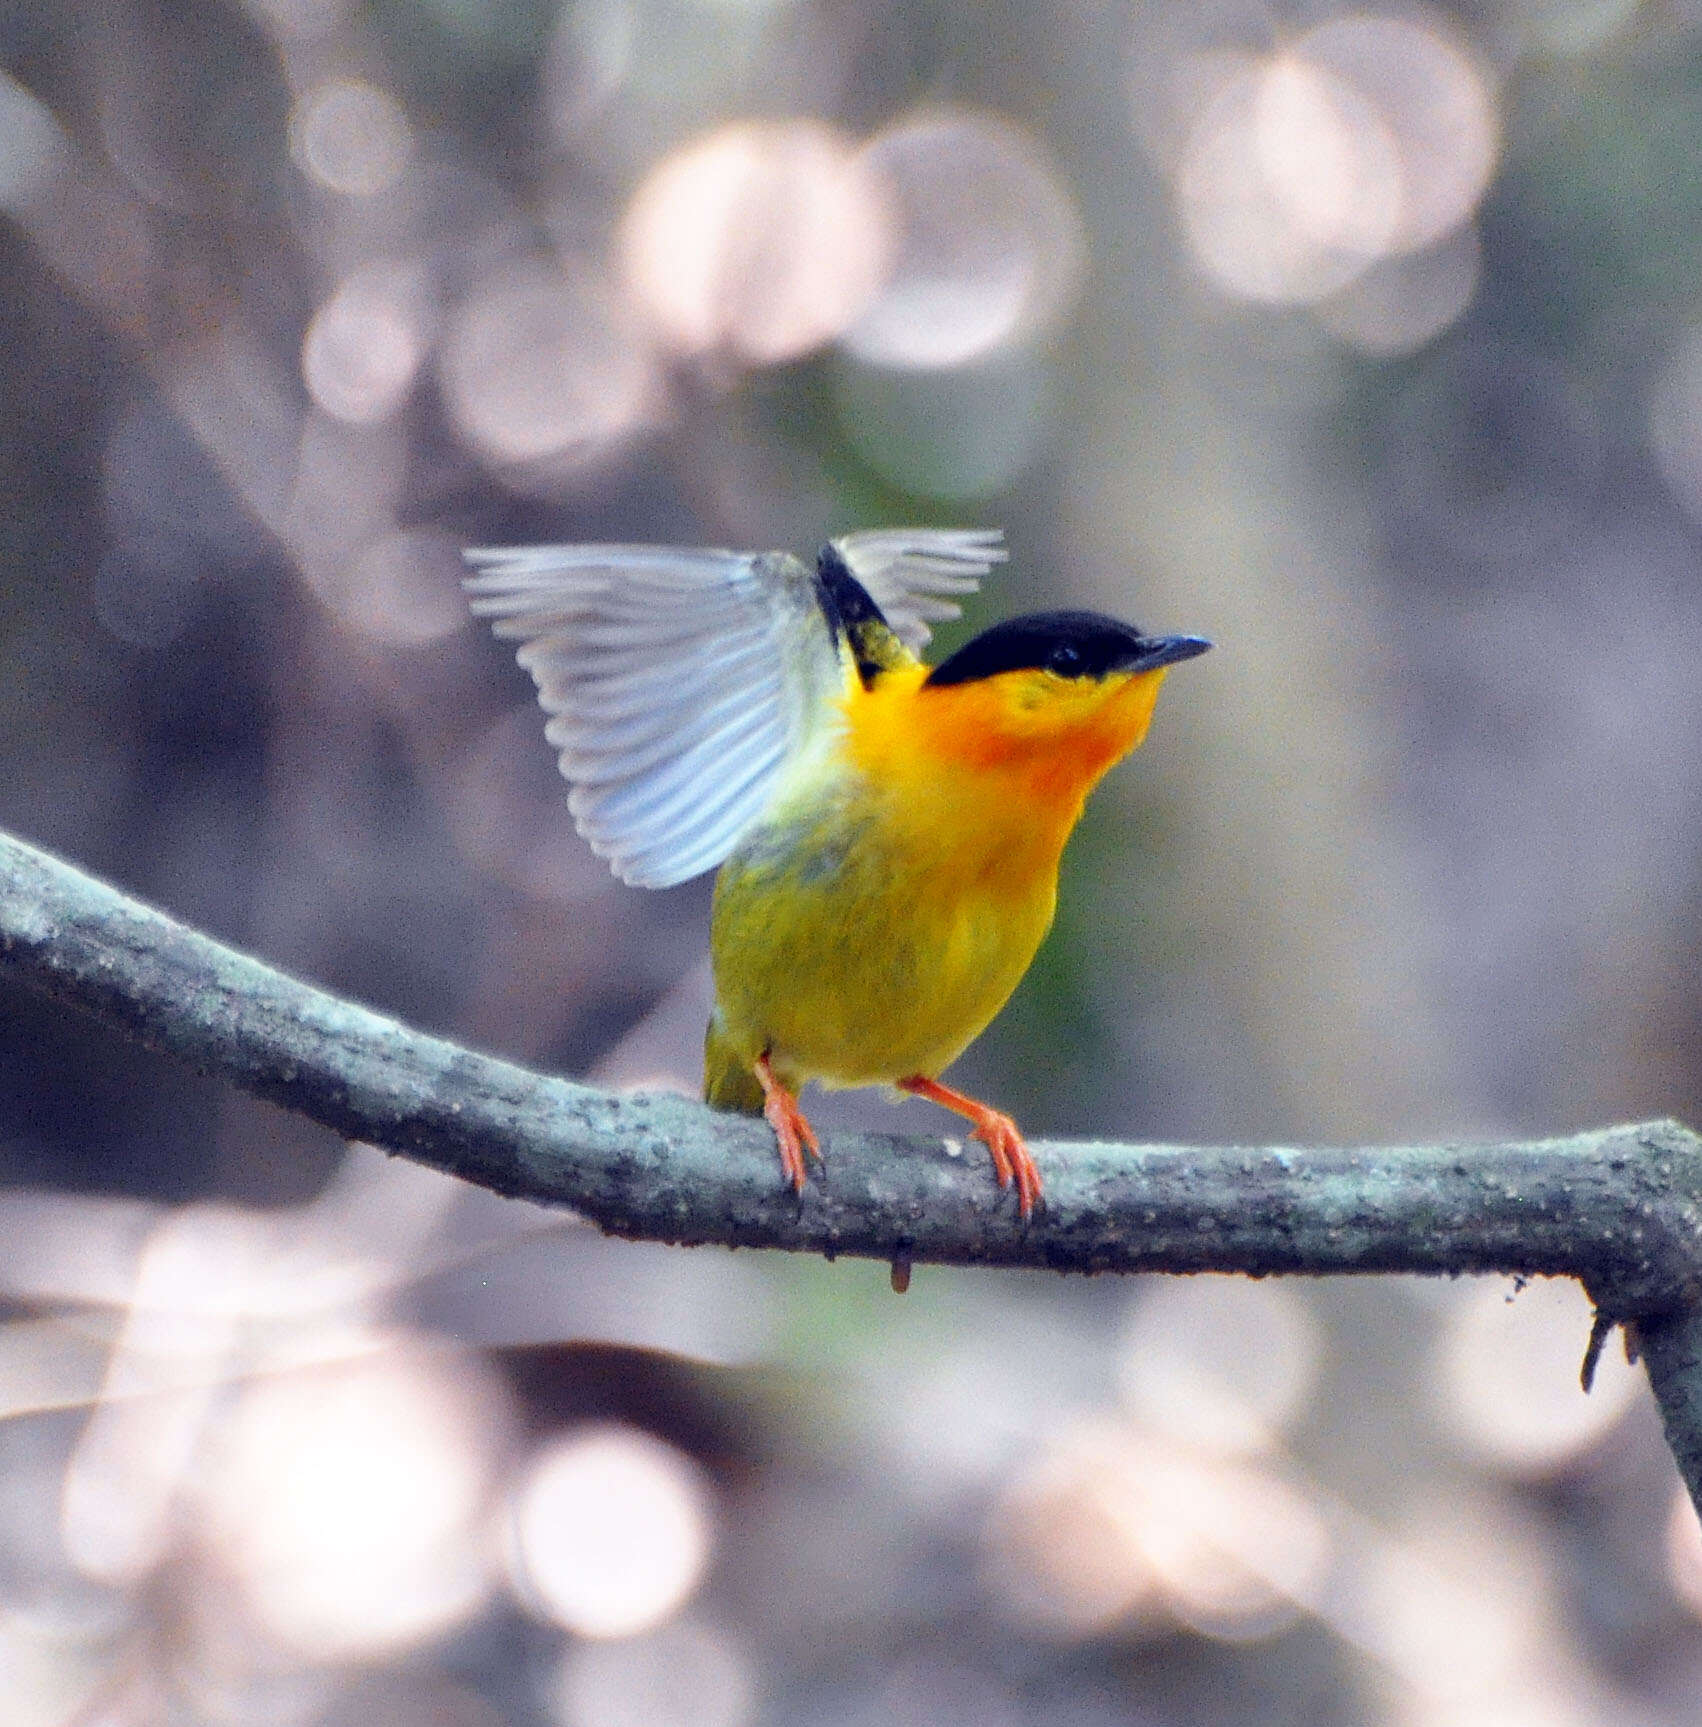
(728, 1080)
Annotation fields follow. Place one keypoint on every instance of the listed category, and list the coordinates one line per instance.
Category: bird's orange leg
(781, 1111)
(996, 1130)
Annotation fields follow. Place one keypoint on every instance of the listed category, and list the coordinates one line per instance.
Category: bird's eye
(1065, 660)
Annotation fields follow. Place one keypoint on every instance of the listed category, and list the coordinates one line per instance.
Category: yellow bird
(888, 834)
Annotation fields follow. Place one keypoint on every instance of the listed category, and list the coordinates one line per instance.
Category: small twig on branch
(1619, 1207)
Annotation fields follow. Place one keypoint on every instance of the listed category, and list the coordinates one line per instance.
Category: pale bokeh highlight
(1108, 1527)
(1508, 1376)
(1400, 303)
(760, 242)
(364, 345)
(612, 1530)
(544, 364)
(344, 1500)
(1367, 138)
(1224, 1363)
(351, 137)
(989, 244)
(403, 588)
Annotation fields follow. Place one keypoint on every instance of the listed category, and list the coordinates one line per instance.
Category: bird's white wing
(915, 574)
(678, 682)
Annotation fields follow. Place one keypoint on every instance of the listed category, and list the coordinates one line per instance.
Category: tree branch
(1618, 1207)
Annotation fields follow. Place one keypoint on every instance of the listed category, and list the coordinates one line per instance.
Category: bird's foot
(1001, 1136)
(791, 1129)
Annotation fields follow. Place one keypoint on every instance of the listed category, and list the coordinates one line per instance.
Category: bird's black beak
(1165, 651)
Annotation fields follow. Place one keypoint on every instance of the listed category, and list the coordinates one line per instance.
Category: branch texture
(1618, 1207)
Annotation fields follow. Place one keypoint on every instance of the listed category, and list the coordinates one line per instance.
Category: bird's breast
(863, 939)
(879, 915)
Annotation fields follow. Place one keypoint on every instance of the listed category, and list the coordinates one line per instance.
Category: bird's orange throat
(1017, 753)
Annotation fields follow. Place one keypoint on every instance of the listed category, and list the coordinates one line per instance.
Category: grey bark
(1618, 1207)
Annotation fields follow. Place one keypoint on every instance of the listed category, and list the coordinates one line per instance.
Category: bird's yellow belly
(859, 956)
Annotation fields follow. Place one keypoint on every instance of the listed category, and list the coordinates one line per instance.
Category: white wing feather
(678, 683)
(915, 574)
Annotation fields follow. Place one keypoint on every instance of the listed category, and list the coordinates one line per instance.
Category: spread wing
(915, 574)
(678, 682)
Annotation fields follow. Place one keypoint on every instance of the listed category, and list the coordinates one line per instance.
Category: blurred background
(1366, 342)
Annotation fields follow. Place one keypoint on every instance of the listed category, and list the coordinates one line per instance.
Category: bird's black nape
(851, 612)
(1071, 644)
(845, 600)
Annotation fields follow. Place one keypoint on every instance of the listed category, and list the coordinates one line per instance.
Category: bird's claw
(794, 1136)
(1012, 1163)
(792, 1131)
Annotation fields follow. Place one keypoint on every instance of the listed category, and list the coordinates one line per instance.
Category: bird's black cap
(1072, 644)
